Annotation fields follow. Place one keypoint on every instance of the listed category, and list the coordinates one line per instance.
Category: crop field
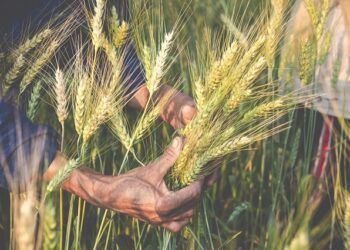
(269, 82)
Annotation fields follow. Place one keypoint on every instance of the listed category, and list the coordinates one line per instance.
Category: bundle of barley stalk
(236, 105)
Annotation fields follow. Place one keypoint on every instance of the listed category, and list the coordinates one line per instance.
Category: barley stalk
(62, 175)
(347, 223)
(233, 78)
(307, 62)
(121, 35)
(147, 62)
(145, 123)
(262, 110)
(182, 160)
(300, 241)
(113, 58)
(25, 223)
(235, 100)
(37, 65)
(325, 47)
(120, 129)
(160, 64)
(311, 8)
(100, 115)
(222, 67)
(34, 101)
(235, 31)
(274, 29)
(61, 98)
(29, 44)
(51, 238)
(249, 57)
(186, 175)
(322, 19)
(80, 105)
(14, 72)
(114, 20)
(226, 147)
(97, 23)
(241, 92)
(199, 93)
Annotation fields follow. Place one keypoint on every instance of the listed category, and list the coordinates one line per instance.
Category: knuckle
(162, 207)
(172, 154)
(175, 228)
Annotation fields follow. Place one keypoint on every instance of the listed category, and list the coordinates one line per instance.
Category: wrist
(91, 186)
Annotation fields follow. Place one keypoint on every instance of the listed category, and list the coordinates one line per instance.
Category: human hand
(179, 111)
(142, 193)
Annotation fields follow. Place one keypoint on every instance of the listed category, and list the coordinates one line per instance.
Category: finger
(182, 212)
(175, 200)
(211, 179)
(175, 226)
(187, 112)
(183, 215)
(163, 164)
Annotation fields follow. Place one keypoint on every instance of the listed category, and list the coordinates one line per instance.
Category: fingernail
(175, 142)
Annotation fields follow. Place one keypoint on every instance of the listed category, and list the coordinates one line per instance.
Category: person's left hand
(179, 111)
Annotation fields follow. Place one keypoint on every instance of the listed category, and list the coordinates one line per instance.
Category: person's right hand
(143, 194)
(140, 193)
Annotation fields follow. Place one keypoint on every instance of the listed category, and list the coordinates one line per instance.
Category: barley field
(269, 122)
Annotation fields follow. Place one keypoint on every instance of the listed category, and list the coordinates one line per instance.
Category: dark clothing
(23, 145)
(21, 140)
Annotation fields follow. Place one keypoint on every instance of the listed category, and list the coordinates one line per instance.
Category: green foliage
(264, 197)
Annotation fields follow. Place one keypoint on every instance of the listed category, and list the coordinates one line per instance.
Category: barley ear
(40, 62)
(145, 123)
(114, 20)
(323, 18)
(311, 8)
(235, 31)
(325, 47)
(160, 64)
(80, 105)
(62, 175)
(307, 62)
(222, 67)
(51, 237)
(61, 97)
(347, 223)
(262, 110)
(199, 94)
(300, 241)
(101, 114)
(14, 72)
(274, 29)
(34, 101)
(242, 91)
(115, 61)
(119, 127)
(147, 62)
(97, 23)
(29, 44)
(121, 35)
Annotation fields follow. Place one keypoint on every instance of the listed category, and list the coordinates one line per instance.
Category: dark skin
(142, 192)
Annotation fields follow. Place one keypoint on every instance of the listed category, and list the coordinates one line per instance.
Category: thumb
(169, 157)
